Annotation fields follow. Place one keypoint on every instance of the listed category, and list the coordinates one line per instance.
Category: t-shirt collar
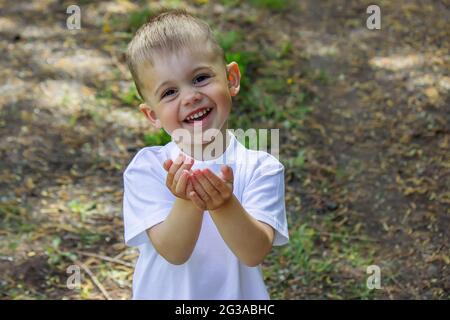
(174, 150)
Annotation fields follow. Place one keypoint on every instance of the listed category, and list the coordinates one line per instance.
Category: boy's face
(192, 84)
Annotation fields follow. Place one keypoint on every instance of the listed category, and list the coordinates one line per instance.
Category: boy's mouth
(197, 115)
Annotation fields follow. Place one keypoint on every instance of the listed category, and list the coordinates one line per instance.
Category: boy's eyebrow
(193, 71)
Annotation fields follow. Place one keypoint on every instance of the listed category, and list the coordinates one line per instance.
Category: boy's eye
(201, 78)
(167, 93)
(198, 79)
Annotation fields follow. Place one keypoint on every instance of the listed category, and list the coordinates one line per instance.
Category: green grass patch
(159, 138)
(271, 4)
(82, 209)
(55, 256)
(137, 18)
(331, 264)
(131, 96)
(15, 218)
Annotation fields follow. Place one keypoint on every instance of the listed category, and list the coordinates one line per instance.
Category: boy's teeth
(198, 114)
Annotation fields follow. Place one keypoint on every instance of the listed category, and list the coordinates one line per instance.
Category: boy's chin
(202, 140)
(185, 136)
(196, 135)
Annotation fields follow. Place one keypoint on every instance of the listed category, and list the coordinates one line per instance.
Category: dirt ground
(373, 185)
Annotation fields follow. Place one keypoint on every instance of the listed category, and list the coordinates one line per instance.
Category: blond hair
(168, 32)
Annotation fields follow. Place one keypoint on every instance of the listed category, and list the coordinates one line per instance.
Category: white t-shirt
(212, 271)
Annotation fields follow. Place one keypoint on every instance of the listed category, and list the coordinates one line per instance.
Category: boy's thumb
(167, 164)
(227, 173)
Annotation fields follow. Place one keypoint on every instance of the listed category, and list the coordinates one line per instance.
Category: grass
(297, 161)
(15, 218)
(137, 19)
(104, 97)
(231, 42)
(274, 5)
(322, 76)
(57, 256)
(262, 98)
(318, 263)
(82, 209)
(159, 138)
(131, 97)
(271, 4)
(285, 50)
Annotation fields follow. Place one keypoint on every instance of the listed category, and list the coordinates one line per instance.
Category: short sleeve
(263, 198)
(146, 201)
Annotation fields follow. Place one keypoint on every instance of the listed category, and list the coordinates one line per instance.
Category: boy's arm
(176, 236)
(249, 239)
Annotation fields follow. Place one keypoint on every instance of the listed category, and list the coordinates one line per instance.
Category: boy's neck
(197, 151)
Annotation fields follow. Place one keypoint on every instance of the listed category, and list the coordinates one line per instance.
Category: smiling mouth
(199, 116)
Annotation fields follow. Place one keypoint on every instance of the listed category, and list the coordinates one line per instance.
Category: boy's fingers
(188, 160)
(197, 201)
(189, 187)
(218, 183)
(227, 173)
(167, 164)
(207, 186)
(184, 166)
(173, 170)
(198, 188)
(181, 184)
(169, 179)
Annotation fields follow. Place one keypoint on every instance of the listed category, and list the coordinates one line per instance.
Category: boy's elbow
(178, 261)
(163, 250)
(256, 260)
(253, 262)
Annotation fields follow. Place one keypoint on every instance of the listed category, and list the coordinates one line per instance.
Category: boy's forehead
(172, 66)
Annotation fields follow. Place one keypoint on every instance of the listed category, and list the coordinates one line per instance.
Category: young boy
(202, 228)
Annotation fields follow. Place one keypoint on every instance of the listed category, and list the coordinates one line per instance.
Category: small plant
(270, 4)
(227, 40)
(15, 218)
(244, 59)
(55, 255)
(83, 209)
(286, 48)
(300, 247)
(231, 3)
(298, 161)
(159, 138)
(138, 18)
(131, 97)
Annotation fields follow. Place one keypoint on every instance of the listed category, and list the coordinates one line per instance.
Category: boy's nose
(191, 98)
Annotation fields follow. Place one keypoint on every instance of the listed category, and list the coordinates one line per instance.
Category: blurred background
(364, 119)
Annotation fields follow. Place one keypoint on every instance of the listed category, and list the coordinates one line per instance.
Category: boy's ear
(234, 78)
(150, 115)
